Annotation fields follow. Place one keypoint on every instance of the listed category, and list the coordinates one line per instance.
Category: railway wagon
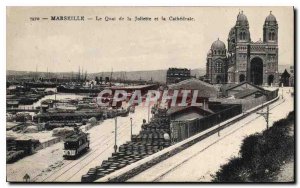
(76, 144)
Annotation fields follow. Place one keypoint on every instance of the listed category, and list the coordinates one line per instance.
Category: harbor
(115, 96)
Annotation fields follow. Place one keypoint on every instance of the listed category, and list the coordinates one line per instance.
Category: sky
(96, 46)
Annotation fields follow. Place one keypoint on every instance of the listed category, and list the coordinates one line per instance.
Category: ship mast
(110, 77)
(81, 72)
(78, 74)
(36, 75)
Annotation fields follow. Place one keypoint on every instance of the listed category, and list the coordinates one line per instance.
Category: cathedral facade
(245, 60)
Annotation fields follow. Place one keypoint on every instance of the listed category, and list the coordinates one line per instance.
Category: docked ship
(40, 84)
(78, 89)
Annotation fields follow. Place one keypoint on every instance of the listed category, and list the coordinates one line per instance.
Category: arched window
(215, 52)
(270, 36)
(219, 67)
(273, 36)
(244, 36)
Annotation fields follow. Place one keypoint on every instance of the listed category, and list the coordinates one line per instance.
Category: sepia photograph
(127, 94)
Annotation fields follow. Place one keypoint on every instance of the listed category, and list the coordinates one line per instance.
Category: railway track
(90, 156)
(88, 162)
(182, 162)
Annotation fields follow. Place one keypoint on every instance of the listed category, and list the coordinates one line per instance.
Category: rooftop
(177, 109)
(204, 89)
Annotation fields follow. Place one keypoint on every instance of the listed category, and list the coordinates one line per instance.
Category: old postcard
(150, 94)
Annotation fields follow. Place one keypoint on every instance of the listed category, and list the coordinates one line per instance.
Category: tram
(76, 144)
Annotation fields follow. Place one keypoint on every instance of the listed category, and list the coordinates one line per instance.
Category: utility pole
(148, 112)
(115, 146)
(266, 115)
(131, 128)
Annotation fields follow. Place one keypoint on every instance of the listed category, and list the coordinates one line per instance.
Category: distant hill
(156, 75)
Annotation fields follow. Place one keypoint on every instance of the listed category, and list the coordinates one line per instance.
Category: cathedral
(245, 60)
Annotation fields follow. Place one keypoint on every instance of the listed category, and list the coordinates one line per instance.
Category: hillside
(156, 75)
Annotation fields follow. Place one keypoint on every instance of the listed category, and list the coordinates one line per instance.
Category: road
(48, 165)
(200, 161)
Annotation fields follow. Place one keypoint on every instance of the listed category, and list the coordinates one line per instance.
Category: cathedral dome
(209, 53)
(242, 19)
(218, 45)
(271, 18)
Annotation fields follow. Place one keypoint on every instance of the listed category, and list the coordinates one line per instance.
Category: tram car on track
(76, 144)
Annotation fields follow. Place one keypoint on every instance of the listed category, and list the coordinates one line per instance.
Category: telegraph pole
(266, 115)
(115, 146)
(148, 112)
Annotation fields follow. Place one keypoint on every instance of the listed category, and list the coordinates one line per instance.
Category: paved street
(50, 165)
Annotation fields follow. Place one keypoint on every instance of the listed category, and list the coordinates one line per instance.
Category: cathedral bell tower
(270, 31)
(242, 28)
